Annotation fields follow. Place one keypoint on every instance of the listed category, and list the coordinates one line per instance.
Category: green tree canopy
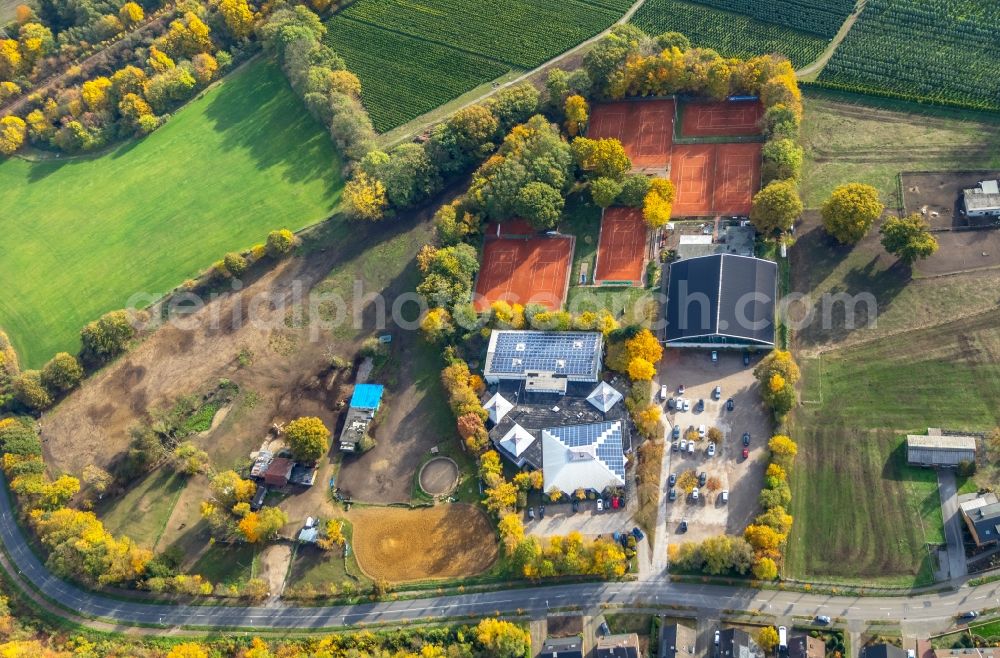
(908, 238)
(775, 207)
(851, 211)
(307, 437)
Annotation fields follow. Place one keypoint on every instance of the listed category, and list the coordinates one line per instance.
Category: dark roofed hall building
(562, 647)
(722, 300)
(882, 651)
(625, 645)
(806, 646)
(677, 641)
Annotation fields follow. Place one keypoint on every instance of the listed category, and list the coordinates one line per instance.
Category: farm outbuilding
(940, 450)
(721, 300)
(983, 199)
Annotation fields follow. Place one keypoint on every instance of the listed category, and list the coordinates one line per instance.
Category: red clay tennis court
(702, 119)
(621, 249)
(645, 128)
(525, 271)
(714, 179)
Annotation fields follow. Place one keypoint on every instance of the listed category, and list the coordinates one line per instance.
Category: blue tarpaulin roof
(367, 396)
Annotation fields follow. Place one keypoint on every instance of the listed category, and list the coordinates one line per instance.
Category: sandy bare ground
(92, 425)
(274, 561)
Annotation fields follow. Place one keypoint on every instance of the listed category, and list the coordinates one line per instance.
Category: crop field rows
(414, 56)
(942, 50)
(821, 17)
(730, 33)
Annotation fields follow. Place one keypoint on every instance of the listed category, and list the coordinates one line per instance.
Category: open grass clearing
(861, 514)
(850, 138)
(142, 512)
(243, 159)
(227, 564)
(403, 545)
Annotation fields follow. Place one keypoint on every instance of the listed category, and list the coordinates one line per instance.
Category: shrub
(279, 243)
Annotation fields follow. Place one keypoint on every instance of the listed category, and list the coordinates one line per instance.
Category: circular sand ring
(439, 476)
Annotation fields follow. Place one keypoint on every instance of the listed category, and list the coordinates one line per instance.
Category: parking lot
(559, 519)
(742, 478)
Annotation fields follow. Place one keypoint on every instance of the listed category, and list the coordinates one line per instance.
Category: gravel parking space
(560, 520)
(743, 478)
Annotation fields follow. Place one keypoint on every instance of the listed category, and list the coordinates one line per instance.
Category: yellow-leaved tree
(576, 114)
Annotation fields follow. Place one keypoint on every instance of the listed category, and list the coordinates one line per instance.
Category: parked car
(531, 512)
(674, 446)
(663, 392)
(717, 393)
(600, 505)
(746, 453)
(258, 498)
(716, 638)
(615, 503)
(971, 614)
(680, 390)
(702, 431)
(637, 533)
(822, 619)
(715, 356)
(746, 438)
(672, 480)
(673, 494)
(746, 358)
(711, 449)
(541, 511)
(702, 478)
(687, 404)
(677, 431)
(694, 493)
(910, 653)
(684, 444)
(700, 407)
(730, 405)
(576, 505)
(683, 527)
(725, 496)
(671, 404)
(691, 448)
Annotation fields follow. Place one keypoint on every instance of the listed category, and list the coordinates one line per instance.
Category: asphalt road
(929, 612)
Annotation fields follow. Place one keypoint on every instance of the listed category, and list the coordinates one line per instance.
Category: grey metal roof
(940, 450)
(575, 355)
(722, 298)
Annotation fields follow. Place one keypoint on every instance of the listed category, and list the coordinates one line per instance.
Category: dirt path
(812, 71)
(274, 561)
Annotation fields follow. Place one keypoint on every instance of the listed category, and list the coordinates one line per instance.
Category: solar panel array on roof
(606, 436)
(575, 355)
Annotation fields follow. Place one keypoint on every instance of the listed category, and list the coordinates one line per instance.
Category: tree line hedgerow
(131, 87)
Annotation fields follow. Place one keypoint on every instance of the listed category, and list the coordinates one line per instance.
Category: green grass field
(240, 161)
(731, 34)
(142, 512)
(851, 138)
(414, 56)
(861, 514)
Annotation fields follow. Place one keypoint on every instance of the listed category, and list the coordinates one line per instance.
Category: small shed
(367, 396)
(940, 450)
(278, 472)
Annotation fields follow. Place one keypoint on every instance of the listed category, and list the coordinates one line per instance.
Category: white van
(725, 496)
(782, 638)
